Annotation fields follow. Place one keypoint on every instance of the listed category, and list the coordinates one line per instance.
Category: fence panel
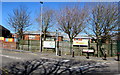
(64, 46)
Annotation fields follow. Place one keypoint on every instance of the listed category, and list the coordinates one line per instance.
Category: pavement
(8, 56)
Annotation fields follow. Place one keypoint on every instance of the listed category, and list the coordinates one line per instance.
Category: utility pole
(56, 42)
(41, 27)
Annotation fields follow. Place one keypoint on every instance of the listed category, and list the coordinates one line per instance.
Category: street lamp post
(56, 42)
(41, 27)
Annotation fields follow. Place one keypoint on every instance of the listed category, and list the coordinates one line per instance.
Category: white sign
(83, 42)
(49, 44)
(88, 50)
(31, 37)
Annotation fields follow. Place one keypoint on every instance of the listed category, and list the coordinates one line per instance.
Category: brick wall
(7, 45)
(37, 37)
(60, 38)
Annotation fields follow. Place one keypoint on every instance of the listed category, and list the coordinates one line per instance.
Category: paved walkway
(53, 55)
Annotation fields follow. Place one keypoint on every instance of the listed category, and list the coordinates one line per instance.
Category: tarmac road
(7, 56)
(12, 56)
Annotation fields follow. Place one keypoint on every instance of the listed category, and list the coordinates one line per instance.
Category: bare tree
(19, 20)
(103, 20)
(71, 20)
(47, 20)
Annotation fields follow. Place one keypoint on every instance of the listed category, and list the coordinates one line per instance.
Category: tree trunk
(111, 49)
(98, 48)
(71, 46)
(44, 36)
(100, 51)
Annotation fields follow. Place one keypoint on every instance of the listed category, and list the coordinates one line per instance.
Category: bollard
(104, 57)
(73, 54)
(59, 52)
(118, 57)
(87, 55)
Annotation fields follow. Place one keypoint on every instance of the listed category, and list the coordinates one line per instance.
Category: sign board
(2, 38)
(9, 40)
(88, 50)
(49, 44)
(31, 37)
(50, 39)
(83, 42)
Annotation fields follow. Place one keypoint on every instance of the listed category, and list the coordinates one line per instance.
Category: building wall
(37, 37)
(7, 45)
(5, 32)
(32, 37)
(60, 38)
(80, 39)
